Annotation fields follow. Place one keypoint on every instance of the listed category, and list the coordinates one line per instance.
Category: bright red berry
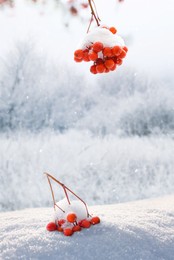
(85, 223)
(107, 52)
(114, 67)
(51, 226)
(93, 55)
(95, 220)
(68, 232)
(113, 30)
(116, 50)
(97, 46)
(76, 228)
(109, 63)
(122, 55)
(86, 55)
(78, 54)
(93, 69)
(71, 217)
(119, 62)
(100, 68)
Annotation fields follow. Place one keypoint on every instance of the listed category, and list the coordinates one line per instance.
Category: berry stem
(90, 23)
(65, 188)
(52, 193)
(94, 12)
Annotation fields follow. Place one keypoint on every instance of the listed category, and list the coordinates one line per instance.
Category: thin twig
(96, 10)
(93, 12)
(65, 188)
(90, 23)
(52, 193)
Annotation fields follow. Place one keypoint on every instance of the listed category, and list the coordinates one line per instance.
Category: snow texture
(132, 231)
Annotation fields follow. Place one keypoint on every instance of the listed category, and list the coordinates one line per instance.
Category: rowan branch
(93, 12)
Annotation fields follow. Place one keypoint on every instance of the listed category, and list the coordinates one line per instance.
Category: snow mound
(76, 206)
(136, 230)
(103, 35)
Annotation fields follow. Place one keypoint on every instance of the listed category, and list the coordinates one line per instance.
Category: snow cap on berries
(76, 206)
(103, 35)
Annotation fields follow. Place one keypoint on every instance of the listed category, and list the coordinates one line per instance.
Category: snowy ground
(137, 230)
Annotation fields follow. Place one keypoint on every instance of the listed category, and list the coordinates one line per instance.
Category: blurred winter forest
(37, 96)
(109, 138)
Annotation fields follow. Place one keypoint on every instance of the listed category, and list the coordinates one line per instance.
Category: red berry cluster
(70, 225)
(105, 59)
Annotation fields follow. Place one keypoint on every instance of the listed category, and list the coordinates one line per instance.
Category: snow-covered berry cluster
(73, 219)
(104, 48)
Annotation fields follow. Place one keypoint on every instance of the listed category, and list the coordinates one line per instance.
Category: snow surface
(137, 230)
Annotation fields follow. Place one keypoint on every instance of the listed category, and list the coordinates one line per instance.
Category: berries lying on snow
(85, 223)
(76, 228)
(66, 226)
(68, 232)
(51, 226)
(95, 220)
(104, 48)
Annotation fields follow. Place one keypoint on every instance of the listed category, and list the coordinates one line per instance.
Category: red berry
(51, 226)
(86, 55)
(122, 55)
(68, 232)
(109, 63)
(95, 220)
(80, 222)
(113, 30)
(119, 62)
(114, 67)
(93, 69)
(85, 223)
(93, 55)
(76, 228)
(71, 217)
(78, 54)
(100, 68)
(116, 50)
(97, 46)
(107, 52)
